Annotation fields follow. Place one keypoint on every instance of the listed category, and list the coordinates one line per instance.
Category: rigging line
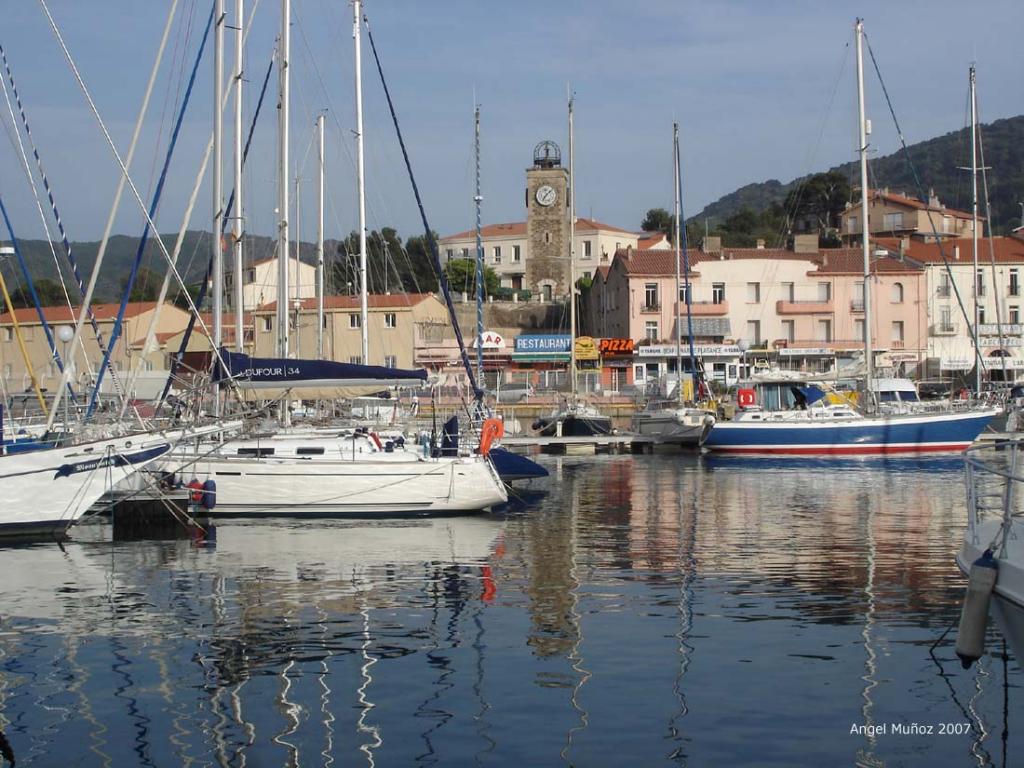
(88, 293)
(928, 209)
(154, 204)
(431, 242)
(991, 244)
(176, 360)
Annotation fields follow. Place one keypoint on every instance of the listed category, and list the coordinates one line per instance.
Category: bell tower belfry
(547, 223)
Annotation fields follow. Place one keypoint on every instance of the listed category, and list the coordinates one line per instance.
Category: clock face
(546, 195)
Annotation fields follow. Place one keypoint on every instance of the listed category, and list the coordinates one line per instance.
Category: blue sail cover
(274, 373)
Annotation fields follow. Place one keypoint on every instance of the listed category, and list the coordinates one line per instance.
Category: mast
(676, 212)
(218, 165)
(282, 180)
(863, 129)
(572, 255)
(477, 199)
(320, 240)
(237, 221)
(357, 35)
(974, 229)
(296, 288)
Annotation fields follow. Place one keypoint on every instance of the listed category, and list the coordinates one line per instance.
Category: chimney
(956, 252)
(711, 245)
(760, 244)
(904, 246)
(805, 243)
(629, 251)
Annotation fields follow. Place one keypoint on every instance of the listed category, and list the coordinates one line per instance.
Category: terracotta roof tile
(1006, 249)
(61, 314)
(910, 202)
(374, 301)
(514, 229)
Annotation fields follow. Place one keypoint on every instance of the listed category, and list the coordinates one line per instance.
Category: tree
(462, 277)
(390, 265)
(659, 220)
(816, 203)
(146, 286)
(49, 292)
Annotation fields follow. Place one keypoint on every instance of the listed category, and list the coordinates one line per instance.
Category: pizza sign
(616, 347)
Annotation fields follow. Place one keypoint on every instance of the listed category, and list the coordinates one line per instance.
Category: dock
(591, 444)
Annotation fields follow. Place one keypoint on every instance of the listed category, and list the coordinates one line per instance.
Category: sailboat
(345, 472)
(575, 418)
(674, 422)
(841, 430)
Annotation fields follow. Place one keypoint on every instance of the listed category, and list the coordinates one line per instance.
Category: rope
(920, 192)
(154, 204)
(428, 232)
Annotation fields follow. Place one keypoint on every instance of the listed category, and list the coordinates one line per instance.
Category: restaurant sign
(586, 348)
(490, 340)
(612, 347)
(543, 344)
(806, 352)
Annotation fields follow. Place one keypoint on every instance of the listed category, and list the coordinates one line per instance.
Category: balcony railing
(706, 308)
(856, 305)
(896, 344)
(943, 290)
(944, 329)
(817, 306)
(651, 307)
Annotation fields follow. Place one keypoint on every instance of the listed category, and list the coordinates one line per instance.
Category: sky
(761, 90)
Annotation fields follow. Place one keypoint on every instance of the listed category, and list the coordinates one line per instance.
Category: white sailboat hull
(45, 491)
(363, 487)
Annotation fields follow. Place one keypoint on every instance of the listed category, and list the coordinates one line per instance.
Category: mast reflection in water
(643, 610)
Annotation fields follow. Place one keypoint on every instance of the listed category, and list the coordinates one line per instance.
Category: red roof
(647, 240)
(61, 314)
(1006, 249)
(850, 261)
(515, 229)
(583, 224)
(373, 301)
(910, 202)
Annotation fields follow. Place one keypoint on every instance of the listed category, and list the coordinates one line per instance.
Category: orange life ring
(746, 398)
(491, 430)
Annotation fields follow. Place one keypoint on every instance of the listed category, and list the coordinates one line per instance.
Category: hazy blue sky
(761, 89)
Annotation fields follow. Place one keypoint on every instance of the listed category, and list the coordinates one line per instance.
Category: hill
(937, 161)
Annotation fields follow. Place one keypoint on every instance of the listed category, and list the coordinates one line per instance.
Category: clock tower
(547, 223)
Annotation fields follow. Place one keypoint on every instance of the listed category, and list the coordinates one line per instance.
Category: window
(944, 289)
(390, 361)
(788, 292)
(897, 330)
(851, 224)
(825, 330)
(1014, 315)
(268, 324)
(685, 293)
(449, 254)
(497, 254)
(390, 320)
(717, 293)
(753, 293)
(325, 320)
(825, 292)
(981, 282)
(1014, 282)
(946, 322)
(546, 292)
(250, 275)
(651, 296)
(789, 330)
(465, 253)
(897, 293)
(754, 332)
(356, 360)
(8, 371)
(547, 237)
(892, 221)
(651, 330)
(8, 334)
(587, 252)
(255, 452)
(517, 254)
(947, 223)
(858, 329)
(857, 304)
(981, 317)
(354, 320)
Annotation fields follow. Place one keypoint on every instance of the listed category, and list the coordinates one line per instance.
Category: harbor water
(625, 611)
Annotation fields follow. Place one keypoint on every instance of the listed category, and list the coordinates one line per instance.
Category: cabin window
(309, 451)
(390, 320)
(255, 451)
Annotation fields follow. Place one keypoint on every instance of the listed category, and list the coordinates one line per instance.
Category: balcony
(706, 308)
(944, 329)
(650, 309)
(896, 344)
(804, 307)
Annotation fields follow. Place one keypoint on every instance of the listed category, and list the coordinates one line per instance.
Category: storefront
(810, 359)
(616, 363)
(653, 361)
(541, 361)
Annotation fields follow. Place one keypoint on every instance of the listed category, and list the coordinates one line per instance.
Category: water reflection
(645, 610)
